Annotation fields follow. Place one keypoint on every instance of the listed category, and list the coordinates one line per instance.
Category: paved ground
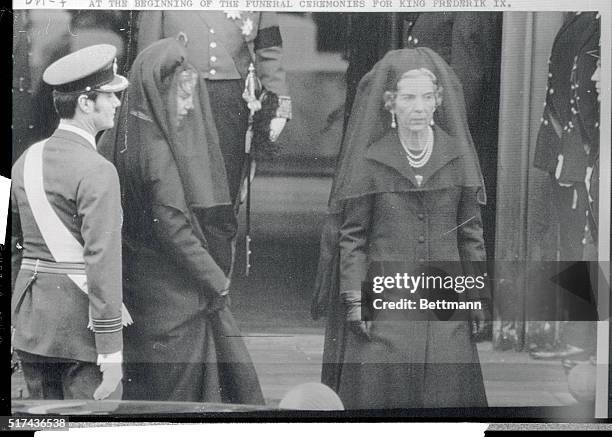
(286, 360)
(511, 378)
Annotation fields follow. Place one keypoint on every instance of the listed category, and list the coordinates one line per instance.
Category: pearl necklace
(419, 159)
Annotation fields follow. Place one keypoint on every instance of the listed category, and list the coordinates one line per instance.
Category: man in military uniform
(66, 215)
(567, 148)
(221, 46)
(568, 138)
(592, 181)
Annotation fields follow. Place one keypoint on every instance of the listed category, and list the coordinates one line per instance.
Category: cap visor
(119, 83)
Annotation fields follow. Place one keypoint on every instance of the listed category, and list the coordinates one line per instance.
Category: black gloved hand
(352, 306)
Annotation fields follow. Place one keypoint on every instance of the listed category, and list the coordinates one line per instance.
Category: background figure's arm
(268, 46)
(473, 53)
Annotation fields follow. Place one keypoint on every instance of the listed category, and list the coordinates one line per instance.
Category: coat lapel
(389, 151)
(444, 152)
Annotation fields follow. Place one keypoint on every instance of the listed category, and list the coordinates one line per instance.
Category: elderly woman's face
(415, 102)
(184, 97)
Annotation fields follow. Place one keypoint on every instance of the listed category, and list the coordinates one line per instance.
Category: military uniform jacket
(570, 120)
(220, 45)
(51, 314)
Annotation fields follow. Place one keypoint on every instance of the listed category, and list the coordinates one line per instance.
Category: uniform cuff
(114, 358)
(109, 342)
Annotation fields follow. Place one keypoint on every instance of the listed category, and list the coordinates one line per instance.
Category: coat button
(213, 59)
(213, 45)
(212, 31)
(421, 216)
(213, 71)
(421, 239)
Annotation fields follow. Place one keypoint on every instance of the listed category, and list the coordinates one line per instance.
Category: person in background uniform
(66, 238)
(23, 116)
(568, 138)
(592, 182)
(221, 46)
(567, 148)
(42, 36)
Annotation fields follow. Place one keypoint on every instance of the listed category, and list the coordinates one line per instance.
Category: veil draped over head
(148, 114)
(370, 121)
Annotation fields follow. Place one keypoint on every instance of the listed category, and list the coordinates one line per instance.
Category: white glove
(277, 125)
(112, 373)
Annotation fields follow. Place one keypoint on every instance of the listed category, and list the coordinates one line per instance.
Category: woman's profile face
(184, 96)
(415, 102)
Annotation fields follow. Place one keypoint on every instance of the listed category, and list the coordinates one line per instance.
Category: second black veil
(370, 121)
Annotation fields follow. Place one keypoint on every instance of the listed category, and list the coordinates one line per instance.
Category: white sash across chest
(62, 245)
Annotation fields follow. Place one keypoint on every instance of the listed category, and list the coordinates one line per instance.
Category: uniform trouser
(231, 120)
(572, 204)
(60, 378)
(231, 117)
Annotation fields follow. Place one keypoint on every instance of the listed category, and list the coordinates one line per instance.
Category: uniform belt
(40, 266)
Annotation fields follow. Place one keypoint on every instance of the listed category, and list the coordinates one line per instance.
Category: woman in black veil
(184, 344)
(408, 188)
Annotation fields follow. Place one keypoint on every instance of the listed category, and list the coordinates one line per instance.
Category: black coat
(410, 364)
(176, 350)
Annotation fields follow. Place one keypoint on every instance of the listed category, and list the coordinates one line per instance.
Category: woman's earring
(393, 123)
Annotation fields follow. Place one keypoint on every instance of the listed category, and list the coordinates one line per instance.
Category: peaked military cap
(92, 68)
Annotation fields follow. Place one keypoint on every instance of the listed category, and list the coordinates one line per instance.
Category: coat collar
(389, 151)
(71, 134)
